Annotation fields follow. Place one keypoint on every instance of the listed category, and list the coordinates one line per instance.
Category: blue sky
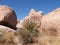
(22, 7)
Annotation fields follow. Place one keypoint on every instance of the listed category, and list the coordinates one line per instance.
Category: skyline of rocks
(48, 26)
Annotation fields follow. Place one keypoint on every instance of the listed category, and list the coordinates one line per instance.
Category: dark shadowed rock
(8, 17)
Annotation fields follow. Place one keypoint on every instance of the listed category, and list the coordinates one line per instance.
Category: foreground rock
(8, 17)
(8, 36)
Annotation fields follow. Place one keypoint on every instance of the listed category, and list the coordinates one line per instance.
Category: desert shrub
(29, 32)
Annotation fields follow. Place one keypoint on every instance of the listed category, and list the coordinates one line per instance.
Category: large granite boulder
(51, 22)
(8, 17)
(50, 28)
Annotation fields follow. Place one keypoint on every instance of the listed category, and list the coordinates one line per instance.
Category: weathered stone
(8, 36)
(51, 22)
(7, 17)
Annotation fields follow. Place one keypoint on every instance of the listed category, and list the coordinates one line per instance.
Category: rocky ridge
(47, 25)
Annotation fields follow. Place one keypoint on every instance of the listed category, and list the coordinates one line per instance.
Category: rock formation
(8, 21)
(49, 26)
(8, 17)
(33, 15)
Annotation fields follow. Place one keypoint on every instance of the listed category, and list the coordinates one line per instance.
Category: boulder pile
(8, 21)
(48, 26)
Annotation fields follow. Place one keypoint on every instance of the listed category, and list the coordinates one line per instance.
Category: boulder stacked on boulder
(8, 21)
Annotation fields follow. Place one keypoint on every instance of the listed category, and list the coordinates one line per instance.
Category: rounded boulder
(8, 17)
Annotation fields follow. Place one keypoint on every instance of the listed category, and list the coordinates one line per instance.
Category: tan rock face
(51, 22)
(7, 17)
(8, 36)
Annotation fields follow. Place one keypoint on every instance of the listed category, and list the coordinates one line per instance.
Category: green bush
(29, 32)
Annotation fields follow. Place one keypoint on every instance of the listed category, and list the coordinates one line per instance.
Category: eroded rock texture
(8, 36)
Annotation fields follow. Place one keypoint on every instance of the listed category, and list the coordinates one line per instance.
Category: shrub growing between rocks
(29, 32)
